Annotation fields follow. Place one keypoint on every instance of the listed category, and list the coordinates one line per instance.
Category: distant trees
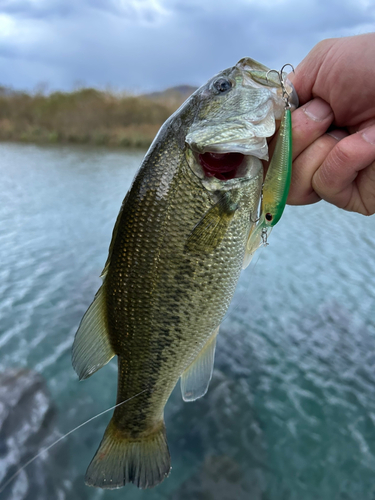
(87, 115)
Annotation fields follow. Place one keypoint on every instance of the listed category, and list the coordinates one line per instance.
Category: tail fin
(144, 461)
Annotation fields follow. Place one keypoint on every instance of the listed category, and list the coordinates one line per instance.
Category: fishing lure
(277, 182)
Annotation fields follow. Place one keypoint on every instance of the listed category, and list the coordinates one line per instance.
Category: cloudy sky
(142, 45)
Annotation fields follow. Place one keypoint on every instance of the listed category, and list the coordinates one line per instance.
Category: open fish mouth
(222, 170)
(222, 166)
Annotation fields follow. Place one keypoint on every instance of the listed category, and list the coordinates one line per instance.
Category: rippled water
(290, 413)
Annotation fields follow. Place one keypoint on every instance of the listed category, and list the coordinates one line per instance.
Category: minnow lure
(275, 188)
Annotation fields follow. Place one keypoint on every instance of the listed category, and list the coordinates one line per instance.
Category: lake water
(290, 413)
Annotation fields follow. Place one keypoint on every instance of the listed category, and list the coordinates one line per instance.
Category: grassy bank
(86, 116)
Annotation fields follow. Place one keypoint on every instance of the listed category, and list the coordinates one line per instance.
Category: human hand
(334, 129)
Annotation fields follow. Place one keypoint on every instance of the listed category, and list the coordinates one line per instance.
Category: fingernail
(317, 109)
(338, 134)
(368, 134)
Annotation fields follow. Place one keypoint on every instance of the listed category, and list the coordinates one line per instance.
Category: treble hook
(264, 236)
(282, 83)
(286, 94)
(275, 71)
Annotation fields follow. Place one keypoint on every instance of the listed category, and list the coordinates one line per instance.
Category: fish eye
(222, 85)
(269, 217)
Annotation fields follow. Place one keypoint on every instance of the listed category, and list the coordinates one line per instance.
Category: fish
(178, 246)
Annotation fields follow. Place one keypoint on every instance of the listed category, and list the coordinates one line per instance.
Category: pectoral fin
(91, 347)
(211, 229)
(196, 379)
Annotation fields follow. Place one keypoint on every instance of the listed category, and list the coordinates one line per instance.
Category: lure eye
(269, 217)
(222, 85)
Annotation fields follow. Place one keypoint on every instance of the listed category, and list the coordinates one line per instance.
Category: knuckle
(341, 156)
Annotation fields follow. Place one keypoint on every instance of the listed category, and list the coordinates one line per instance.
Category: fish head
(235, 113)
(237, 110)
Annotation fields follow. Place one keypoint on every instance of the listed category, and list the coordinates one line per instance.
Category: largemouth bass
(177, 250)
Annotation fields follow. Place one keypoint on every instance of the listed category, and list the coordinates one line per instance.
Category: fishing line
(44, 450)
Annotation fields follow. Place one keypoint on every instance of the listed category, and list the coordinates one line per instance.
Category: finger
(306, 164)
(306, 73)
(346, 177)
(310, 122)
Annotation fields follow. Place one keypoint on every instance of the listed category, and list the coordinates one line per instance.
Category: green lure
(275, 188)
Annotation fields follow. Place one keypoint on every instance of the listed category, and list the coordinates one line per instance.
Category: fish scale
(180, 279)
(177, 250)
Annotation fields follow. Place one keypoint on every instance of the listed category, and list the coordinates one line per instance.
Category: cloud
(36, 9)
(151, 44)
(139, 10)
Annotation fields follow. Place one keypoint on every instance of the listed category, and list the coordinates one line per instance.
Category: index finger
(309, 123)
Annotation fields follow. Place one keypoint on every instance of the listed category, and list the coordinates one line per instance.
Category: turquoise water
(290, 413)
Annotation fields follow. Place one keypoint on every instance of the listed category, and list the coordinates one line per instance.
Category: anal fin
(92, 348)
(196, 378)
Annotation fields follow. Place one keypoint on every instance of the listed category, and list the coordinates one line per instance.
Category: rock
(27, 425)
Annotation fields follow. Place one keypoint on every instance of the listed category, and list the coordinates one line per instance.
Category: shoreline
(123, 139)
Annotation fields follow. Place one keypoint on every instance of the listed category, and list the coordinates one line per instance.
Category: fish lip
(242, 133)
(259, 75)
